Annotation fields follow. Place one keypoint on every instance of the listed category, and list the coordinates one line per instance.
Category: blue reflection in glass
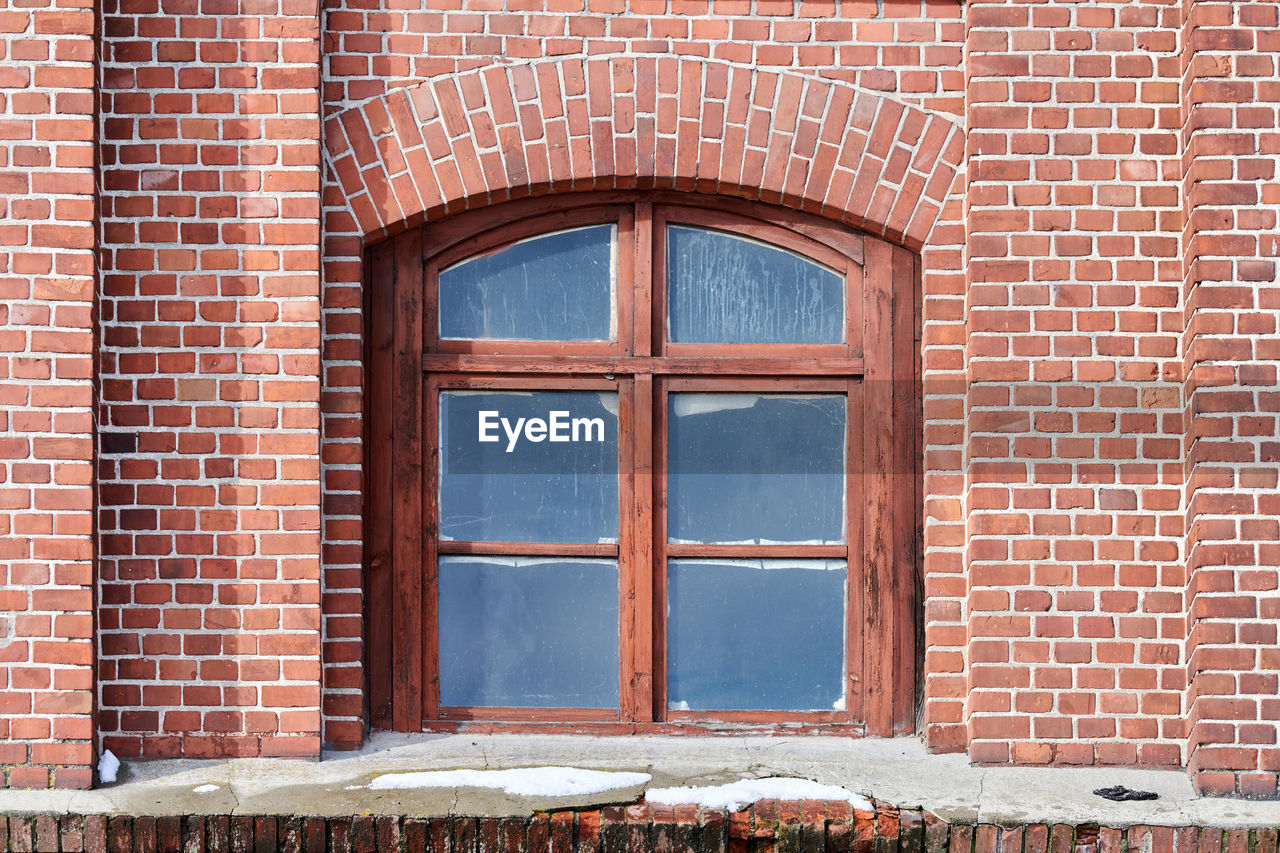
(755, 635)
(756, 468)
(553, 287)
(722, 288)
(534, 632)
(513, 488)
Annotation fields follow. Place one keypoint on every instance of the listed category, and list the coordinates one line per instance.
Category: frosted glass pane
(756, 468)
(531, 466)
(539, 632)
(728, 289)
(553, 287)
(755, 635)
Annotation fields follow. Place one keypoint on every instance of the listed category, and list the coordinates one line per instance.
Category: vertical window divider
(628, 276)
(642, 552)
(658, 606)
(629, 568)
(642, 344)
(431, 547)
(855, 603)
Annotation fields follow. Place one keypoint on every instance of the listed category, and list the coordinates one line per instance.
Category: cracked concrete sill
(897, 771)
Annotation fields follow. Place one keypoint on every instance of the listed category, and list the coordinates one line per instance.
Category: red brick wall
(1232, 350)
(1098, 345)
(1074, 425)
(911, 48)
(209, 562)
(47, 275)
(767, 825)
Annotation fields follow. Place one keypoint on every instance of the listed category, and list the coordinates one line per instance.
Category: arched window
(644, 460)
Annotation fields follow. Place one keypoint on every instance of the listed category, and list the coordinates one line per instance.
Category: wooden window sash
(642, 367)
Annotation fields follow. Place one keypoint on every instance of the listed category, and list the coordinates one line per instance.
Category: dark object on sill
(1120, 793)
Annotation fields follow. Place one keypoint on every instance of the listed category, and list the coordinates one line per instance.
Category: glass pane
(755, 635)
(727, 289)
(529, 466)
(537, 632)
(756, 468)
(553, 287)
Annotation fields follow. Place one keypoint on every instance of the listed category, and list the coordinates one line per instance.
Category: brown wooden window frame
(877, 368)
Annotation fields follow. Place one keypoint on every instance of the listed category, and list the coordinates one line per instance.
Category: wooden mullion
(658, 604)
(625, 284)
(642, 552)
(627, 569)
(644, 317)
(658, 286)
(649, 511)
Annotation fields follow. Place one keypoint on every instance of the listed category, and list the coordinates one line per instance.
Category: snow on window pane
(755, 635)
(727, 289)
(756, 468)
(554, 287)
(529, 466)
(536, 632)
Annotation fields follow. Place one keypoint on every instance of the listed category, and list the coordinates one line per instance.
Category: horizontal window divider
(527, 549)
(603, 715)
(632, 365)
(798, 718)
(748, 552)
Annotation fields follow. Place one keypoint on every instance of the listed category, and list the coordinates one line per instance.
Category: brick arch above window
(463, 141)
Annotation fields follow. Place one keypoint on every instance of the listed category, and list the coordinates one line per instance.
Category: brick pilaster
(1073, 419)
(210, 470)
(1230, 101)
(48, 231)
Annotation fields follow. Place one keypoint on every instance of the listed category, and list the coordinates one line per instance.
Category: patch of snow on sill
(735, 795)
(205, 789)
(522, 782)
